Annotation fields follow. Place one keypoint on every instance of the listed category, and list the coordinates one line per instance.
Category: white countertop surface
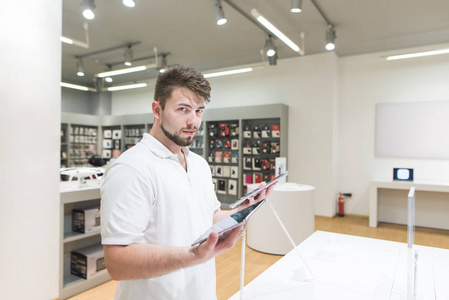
(73, 186)
(349, 267)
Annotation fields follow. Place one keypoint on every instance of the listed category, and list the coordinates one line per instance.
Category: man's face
(181, 117)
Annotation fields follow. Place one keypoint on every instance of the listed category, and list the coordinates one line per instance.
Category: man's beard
(175, 138)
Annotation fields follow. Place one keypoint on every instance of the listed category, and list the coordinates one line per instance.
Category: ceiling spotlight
(296, 6)
(128, 56)
(108, 79)
(272, 60)
(88, 9)
(219, 14)
(79, 67)
(129, 3)
(270, 49)
(330, 38)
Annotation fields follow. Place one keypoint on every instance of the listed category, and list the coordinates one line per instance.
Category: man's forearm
(137, 261)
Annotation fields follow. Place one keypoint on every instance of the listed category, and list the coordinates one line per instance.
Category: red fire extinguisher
(341, 205)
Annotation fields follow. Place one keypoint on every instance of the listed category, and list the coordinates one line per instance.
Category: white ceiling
(187, 29)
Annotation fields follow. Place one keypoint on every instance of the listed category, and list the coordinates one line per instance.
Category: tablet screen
(258, 190)
(230, 222)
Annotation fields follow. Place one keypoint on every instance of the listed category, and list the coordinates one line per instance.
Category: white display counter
(351, 268)
(295, 205)
(428, 213)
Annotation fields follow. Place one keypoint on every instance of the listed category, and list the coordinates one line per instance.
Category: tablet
(231, 222)
(258, 190)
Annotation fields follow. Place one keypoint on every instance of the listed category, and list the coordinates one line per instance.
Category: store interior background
(331, 101)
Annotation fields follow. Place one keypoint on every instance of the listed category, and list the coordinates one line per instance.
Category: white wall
(136, 101)
(81, 102)
(366, 80)
(30, 110)
(308, 85)
(75, 101)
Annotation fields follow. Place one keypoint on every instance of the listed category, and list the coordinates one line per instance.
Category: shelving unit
(132, 128)
(64, 146)
(223, 158)
(198, 144)
(72, 196)
(78, 147)
(274, 114)
(132, 135)
(83, 144)
(111, 141)
(261, 146)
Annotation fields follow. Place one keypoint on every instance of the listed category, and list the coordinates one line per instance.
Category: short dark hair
(181, 76)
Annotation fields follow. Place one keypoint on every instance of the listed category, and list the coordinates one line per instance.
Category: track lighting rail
(109, 49)
(141, 58)
(322, 13)
(251, 19)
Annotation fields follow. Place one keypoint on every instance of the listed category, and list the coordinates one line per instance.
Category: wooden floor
(228, 264)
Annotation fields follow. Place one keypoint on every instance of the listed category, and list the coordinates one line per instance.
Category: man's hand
(262, 195)
(216, 244)
(222, 214)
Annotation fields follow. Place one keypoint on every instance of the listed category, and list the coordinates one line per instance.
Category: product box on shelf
(88, 262)
(86, 219)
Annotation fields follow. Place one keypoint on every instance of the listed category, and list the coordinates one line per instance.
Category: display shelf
(223, 158)
(198, 144)
(75, 236)
(77, 196)
(82, 144)
(111, 141)
(64, 146)
(73, 285)
(274, 114)
(132, 135)
(261, 146)
(70, 236)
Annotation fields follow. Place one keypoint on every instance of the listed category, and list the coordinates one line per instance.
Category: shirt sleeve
(125, 205)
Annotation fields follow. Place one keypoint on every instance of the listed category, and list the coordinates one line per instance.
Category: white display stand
(72, 196)
(352, 268)
(423, 218)
(295, 206)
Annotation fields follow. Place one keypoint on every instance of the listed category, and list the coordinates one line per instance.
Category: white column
(30, 103)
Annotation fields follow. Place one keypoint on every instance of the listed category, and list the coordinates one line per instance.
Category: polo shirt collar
(159, 149)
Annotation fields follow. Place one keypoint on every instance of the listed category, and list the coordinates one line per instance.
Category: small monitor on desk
(403, 174)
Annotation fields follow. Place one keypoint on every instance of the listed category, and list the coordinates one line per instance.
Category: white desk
(352, 268)
(398, 185)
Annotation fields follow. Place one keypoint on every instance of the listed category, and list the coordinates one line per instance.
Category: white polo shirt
(148, 197)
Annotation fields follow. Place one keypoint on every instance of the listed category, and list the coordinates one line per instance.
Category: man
(158, 197)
